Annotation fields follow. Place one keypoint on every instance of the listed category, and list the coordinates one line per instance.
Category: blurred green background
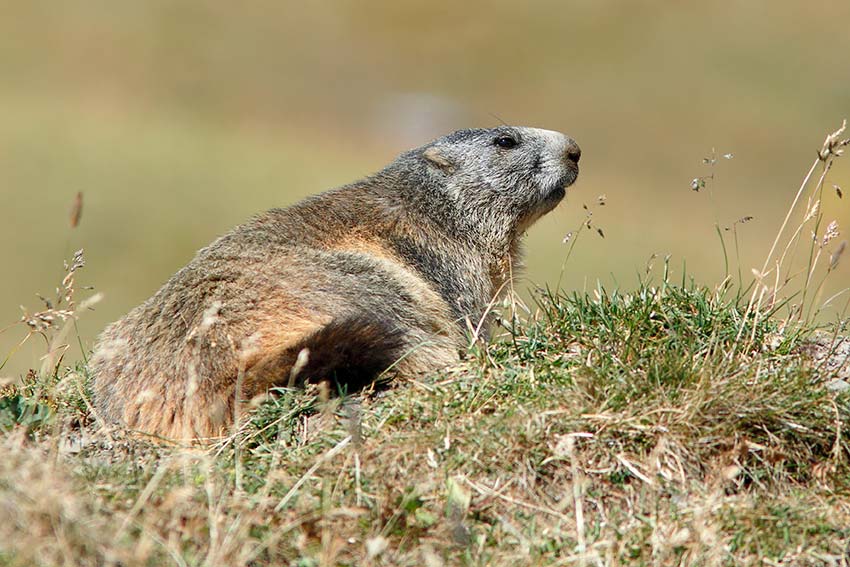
(179, 119)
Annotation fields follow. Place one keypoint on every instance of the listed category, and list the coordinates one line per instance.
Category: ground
(660, 427)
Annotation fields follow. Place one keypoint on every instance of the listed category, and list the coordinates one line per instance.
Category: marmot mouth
(559, 189)
(557, 193)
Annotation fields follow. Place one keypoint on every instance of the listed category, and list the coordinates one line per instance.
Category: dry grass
(672, 425)
(613, 431)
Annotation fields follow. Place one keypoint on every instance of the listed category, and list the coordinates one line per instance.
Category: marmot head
(496, 182)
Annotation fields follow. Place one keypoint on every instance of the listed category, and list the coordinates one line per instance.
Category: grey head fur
(491, 184)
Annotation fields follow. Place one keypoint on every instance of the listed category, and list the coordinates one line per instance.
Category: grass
(616, 429)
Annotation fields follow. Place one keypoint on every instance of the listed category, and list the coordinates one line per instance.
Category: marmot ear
(436, 157)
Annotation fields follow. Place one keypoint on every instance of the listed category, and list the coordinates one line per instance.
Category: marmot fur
(384, 272)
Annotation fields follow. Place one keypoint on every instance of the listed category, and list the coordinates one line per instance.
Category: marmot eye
(505, 142)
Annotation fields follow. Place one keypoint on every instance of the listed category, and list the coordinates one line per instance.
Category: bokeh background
(178, 120)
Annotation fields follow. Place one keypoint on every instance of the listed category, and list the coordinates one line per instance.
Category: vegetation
(617, 429)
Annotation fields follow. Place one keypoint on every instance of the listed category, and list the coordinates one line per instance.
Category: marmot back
(381, 273)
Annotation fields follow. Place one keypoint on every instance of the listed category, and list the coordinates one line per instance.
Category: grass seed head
(832, 232)
(76, 210)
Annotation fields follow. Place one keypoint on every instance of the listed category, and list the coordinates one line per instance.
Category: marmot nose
(573, 152)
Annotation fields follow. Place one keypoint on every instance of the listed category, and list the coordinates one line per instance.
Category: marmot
(384, 272)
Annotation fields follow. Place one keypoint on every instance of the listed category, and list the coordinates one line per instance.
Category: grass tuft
(618, 428)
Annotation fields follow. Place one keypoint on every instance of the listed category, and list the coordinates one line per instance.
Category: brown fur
(378, 274)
